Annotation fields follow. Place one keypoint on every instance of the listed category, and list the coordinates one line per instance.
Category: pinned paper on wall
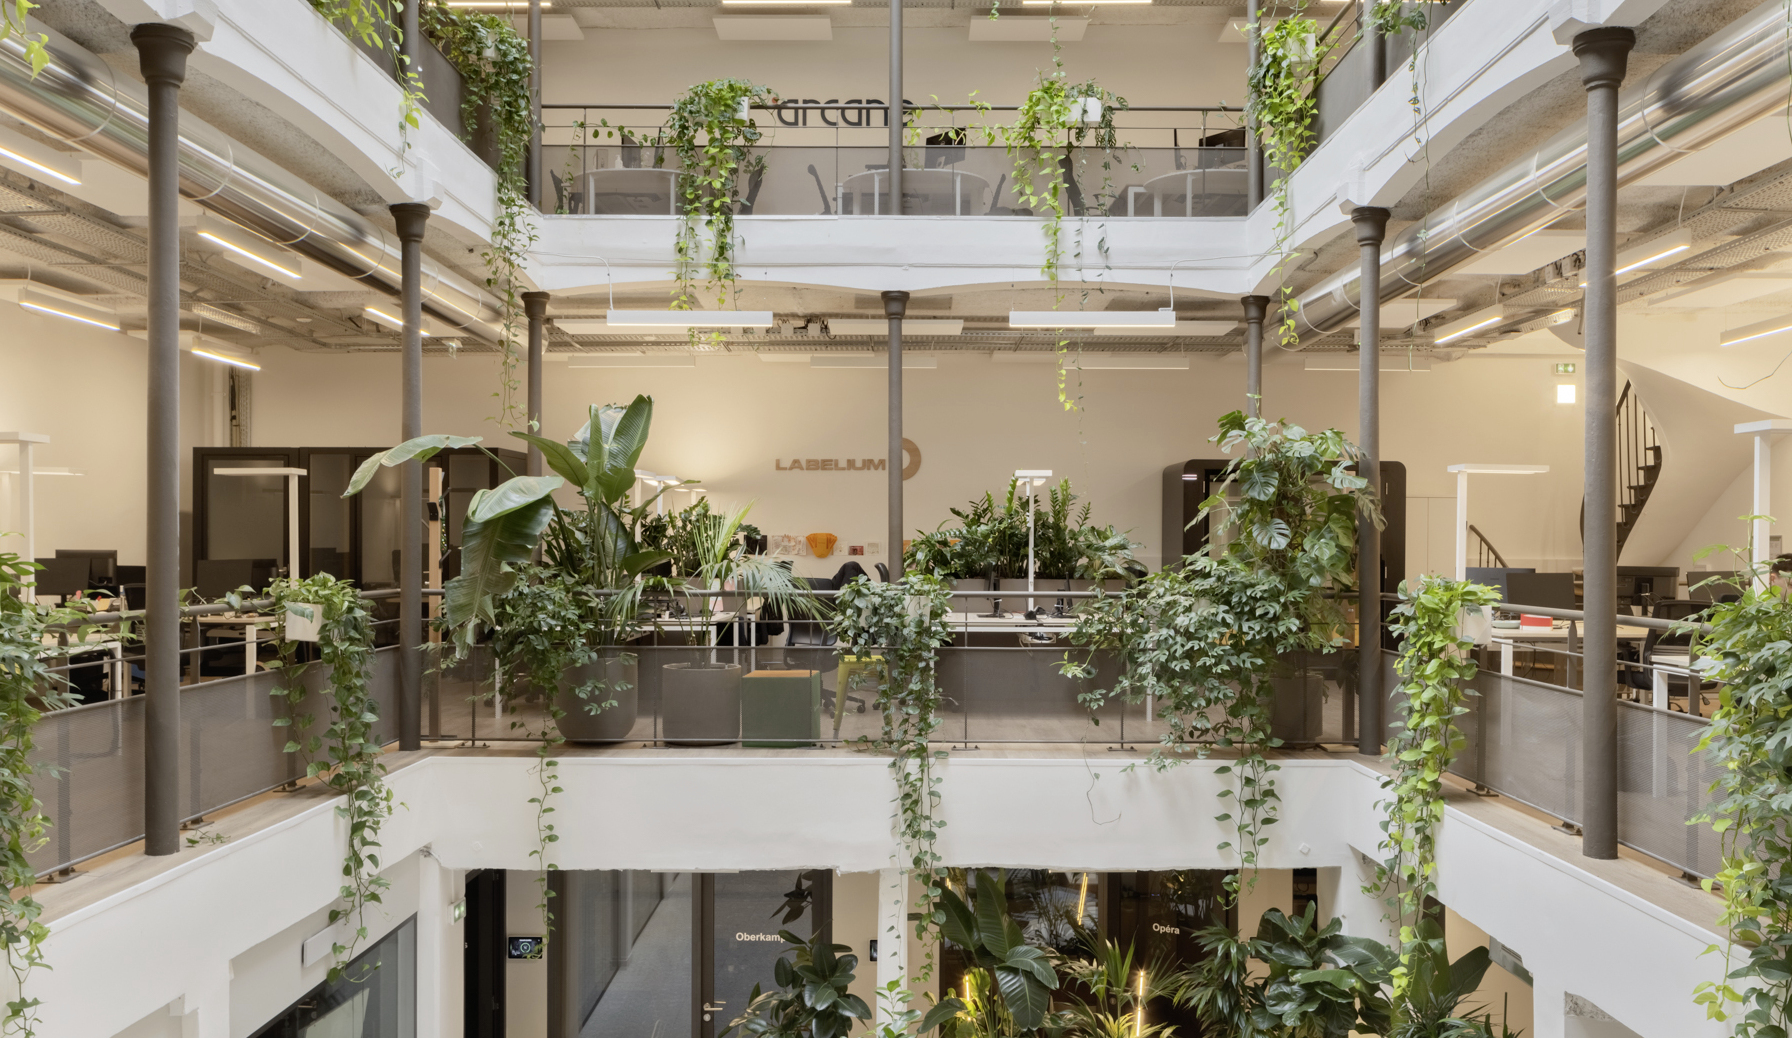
(855, 549)
(787, 544)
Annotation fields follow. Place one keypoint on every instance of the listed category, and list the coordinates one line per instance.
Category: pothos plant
(1436, 663)
(377, 24)
(345, 757)
(712, 133)
(1205, 638)
(1281, 105)
(28, 687)
(1748, 647)
(12, 20)
(905, 623)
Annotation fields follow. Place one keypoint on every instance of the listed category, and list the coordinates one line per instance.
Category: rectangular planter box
(780, 708)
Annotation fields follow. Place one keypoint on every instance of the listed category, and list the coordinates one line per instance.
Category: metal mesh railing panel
(94, 794)
(1523, 739)
(1663, 785)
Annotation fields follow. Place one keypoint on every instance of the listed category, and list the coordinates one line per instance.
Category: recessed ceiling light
(673, 320)
(1564, 392)
(1164, 318)
(226, 358)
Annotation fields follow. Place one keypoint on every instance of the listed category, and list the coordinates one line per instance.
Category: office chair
(1641, 678)
(754, 183)
(995, 197)
(883, 573)
(827, 207)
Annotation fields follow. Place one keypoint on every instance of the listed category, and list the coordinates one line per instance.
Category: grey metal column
(1371, 228)
(534, 170)
(897, 115)
(410, 217)
(1253, 153)
(535, 307)
(162, 54)
(1604, 56)
(1256, 308)
(895, 306)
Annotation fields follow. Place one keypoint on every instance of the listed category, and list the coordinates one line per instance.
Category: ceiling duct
(77, 99)
(1732, 79)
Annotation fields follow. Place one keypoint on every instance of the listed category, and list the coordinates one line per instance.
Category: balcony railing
(615, 161)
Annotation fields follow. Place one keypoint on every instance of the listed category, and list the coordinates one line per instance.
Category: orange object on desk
(1527, 620)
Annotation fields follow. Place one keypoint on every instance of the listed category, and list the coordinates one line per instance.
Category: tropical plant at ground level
(1009, 983)
(1205, 639)
(1430, 1000)
(28, 687)
(1103, 995)
(1436, 663)
(811, 999)
(346, 756)
(1748, 647)
(1320, 983)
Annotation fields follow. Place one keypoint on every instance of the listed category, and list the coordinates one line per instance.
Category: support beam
(1371, 228)
(534, 167)
(1253, 151)
(897, 117)
(162, 54)
(1604, 56)
(535, 307)
(895, 306)
(410, 218)
(1256, 308)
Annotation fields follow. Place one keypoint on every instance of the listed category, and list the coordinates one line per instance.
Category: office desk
(925, 192)
(248, 624)
(1507, 638)
(96, 641)
(1015, 622)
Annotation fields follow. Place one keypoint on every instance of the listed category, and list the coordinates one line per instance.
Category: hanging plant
(1393, 17)
(712, 132)
(12, 20)
(346, 757)
(1436, 663)
(905, 623)
(1748, 647)
(1282, 104)
(27, 688)
(1204, 639)
(494, 64)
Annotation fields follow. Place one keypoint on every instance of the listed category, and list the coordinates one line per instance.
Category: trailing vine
(1205, 638)
(1435, 665)
(719, 112)
(346, 757)
(27, 689)
(377, 24)
(905, 623)
(12, 19)
(1281, 105)
(1749, 647)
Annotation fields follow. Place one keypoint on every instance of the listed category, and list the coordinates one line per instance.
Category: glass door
(740, 944)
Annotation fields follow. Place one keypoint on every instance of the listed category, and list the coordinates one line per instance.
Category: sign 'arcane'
(911, 463)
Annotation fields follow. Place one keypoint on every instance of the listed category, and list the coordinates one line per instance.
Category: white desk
(1507, 638)
(95, 642)
(249, 624)
(923, 192)
(1014, 622)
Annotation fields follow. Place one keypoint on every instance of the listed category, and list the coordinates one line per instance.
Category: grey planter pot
(700, 703)
(621, 679)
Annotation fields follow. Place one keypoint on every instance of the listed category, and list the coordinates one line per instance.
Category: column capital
(895, 304)
(410, 218)
(162, 51)
(1371, 224)
(1604, 55)
(1256, 308)
(535, 305)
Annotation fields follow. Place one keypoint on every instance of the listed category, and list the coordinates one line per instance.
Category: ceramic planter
(621, 681)
(300, 629)
(700, 703)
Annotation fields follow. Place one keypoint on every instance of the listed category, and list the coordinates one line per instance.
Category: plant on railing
(905, 623)
(711, 130)
(1748, 647)
(346, 757)
(811, 999)
(1393, 17)
(992, 536)
(12, 20)
(1204, 639)
(378, 25)
(1282, 102)
(1436, 663)
(27, 689)
(494, 63)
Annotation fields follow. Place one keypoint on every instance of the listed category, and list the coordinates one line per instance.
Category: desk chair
(883, 573)
(1642, 679)
(827, 204)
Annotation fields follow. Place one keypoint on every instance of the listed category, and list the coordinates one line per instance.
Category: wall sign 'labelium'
(911, 463)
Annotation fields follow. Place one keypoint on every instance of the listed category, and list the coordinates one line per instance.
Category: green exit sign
(1564, 369)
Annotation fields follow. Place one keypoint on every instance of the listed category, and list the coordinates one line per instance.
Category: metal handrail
(800, 106)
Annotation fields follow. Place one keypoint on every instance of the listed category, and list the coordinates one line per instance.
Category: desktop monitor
(1544, 590)
(102, 564)
(62, 577)
(215, 578)
(1647, 585)
(1495, 577)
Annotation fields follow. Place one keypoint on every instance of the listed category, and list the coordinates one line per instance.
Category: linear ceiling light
(1484, 318)
(1758, 330)
(396, 323)
(787, 3)
(1165, 318)
(248, 244)
(1650, 253)
(1078, 3)
(44, 303)
(879, 326)
(513, 6)
(226, 358)
(677, 320)
(622, 360)
(49, 162)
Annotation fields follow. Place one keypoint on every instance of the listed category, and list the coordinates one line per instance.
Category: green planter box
(780, 709)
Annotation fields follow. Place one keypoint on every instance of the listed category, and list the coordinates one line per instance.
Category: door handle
(708, 1009)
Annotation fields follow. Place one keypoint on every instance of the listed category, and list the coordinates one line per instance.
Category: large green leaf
(939, 1014)
(559, 457)
(959, 925)
(502, 527)
(611, 443)
(1027, 999)
(992, 912)
(422, 449)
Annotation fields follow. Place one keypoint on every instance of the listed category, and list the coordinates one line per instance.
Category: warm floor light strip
(237, 361)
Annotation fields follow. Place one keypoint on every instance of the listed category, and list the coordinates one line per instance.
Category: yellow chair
(860, 673)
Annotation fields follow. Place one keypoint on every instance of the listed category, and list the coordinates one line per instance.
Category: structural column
(892, 933)
(1371, 227)
(897, 116)
(162, 53)
(534, 170)
(1253, 153)
(1604, 54)
(410, 217)
(1256, 308)
(895, 305)
(535, 307)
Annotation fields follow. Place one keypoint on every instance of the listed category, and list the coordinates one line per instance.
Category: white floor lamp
(1462, 474)
(1761, 528)
(1034, 478)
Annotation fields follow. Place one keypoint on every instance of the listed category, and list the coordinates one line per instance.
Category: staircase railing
(1486, 555)
(1639, 461)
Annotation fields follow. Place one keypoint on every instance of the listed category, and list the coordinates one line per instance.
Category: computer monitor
(215, 578)
(1495, 577)
(1544, 590)
(1647, 585)
(62, 577)
(102, 564)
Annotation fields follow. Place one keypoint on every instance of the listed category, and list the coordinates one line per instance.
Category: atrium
(895, 518)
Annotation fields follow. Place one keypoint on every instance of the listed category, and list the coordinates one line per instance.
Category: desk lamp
(1462, 474)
